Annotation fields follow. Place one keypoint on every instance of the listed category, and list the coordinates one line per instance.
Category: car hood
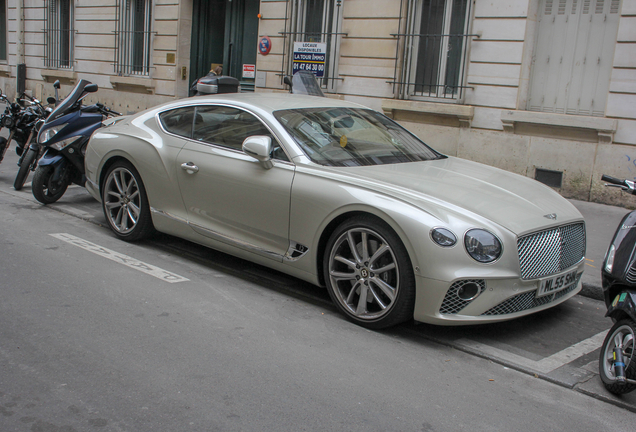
(515, 202)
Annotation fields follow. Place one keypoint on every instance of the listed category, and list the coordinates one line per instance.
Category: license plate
(556, 283)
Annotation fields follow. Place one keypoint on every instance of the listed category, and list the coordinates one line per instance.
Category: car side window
(228, 127)
(178, 121)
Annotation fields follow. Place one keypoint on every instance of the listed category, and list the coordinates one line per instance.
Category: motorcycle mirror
(91, 88)
(51, 100)
(56, 84)
(287, 80)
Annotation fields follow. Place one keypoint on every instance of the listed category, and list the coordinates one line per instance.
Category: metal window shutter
(573, 56)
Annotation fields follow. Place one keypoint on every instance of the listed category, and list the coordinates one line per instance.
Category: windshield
(352, 137)
(70, 100)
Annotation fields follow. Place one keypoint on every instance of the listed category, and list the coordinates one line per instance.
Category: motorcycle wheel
(44, 188)
(3, 145)
(623, 332)
(25, 167)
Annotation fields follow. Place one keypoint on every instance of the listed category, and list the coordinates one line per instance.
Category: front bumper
(498, 300)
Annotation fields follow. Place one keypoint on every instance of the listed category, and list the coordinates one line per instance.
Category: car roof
(268, 102)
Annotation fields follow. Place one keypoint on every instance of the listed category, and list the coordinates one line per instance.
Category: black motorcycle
(65, 135)
(27, 124)
(13, 120)
(617, 362)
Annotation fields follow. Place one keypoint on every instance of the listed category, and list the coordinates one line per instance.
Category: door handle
(190, 167)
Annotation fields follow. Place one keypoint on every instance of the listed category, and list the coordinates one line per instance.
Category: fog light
(468, 291)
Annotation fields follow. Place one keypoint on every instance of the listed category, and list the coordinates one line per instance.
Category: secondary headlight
(609, 260)
(443, 237)
(50, 133)
(482, 245)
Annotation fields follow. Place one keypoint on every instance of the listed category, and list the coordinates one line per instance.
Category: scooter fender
(50, 159)
(57, 161)
(623, 303)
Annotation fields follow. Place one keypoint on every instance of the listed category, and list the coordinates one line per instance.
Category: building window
(435, 46)
(317, 21)
(58, 48)
(573, 56)
(133, 37)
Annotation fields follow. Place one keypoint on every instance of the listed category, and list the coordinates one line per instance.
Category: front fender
(51, 158)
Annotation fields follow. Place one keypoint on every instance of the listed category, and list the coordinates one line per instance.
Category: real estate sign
(310, 56)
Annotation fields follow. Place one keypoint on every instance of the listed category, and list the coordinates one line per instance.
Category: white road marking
(126, 260)
(544, 365)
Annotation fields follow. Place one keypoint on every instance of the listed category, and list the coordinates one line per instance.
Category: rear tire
(44, 189)
(25, 167)
(623, 332)
(125, 202)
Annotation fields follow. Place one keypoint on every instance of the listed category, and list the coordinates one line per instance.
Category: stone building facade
(544, 88)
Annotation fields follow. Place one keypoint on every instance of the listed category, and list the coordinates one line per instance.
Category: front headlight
(482, 245)
(49, 133)
(609, 260)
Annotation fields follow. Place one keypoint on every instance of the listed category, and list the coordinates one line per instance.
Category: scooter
(617, 362)
(65, 135)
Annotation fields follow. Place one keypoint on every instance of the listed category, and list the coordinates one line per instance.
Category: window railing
(133, 38)
(59, 34)
(425, 72)
(314, 21)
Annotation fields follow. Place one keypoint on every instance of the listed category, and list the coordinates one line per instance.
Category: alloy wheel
(122, 200)
(364, 273)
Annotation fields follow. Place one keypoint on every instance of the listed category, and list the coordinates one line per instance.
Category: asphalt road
(98, 334)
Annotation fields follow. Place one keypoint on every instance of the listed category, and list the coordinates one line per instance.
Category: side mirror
(51, 100)
(56, 84)
(260, 148)
(91, 88)
(287, 80)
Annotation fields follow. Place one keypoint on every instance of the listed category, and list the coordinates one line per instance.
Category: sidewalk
(601, 221)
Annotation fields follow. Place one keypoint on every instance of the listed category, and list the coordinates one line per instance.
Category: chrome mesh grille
(551, 251)
(528, 300)
(453, 303)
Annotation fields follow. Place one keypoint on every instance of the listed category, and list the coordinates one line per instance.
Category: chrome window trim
(163, 129)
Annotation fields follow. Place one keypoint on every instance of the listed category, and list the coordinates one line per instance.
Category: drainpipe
(21, 68)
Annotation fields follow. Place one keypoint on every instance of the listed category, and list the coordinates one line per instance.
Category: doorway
(224, 32)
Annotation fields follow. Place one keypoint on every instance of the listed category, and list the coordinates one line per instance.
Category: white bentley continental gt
(341, 196)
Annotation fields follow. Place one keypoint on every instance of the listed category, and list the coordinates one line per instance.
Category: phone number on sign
(317, 68)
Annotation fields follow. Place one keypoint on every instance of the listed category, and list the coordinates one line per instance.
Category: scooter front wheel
(621, 334)
(44, 188)
(25, 167)
(3, 145)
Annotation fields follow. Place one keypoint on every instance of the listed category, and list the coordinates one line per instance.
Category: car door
(229, 195)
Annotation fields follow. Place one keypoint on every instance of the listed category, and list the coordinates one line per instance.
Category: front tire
(125, 202)
(25, 167)
(368, 273)
(3, 145)
(622, 333)
(44, 188)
